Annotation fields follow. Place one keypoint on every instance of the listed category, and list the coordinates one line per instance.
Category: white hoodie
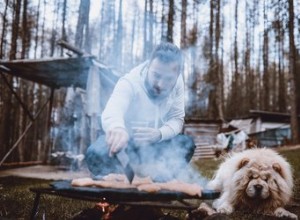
(130, 105)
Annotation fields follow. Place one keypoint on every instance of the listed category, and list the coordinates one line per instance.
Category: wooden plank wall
(204, 135)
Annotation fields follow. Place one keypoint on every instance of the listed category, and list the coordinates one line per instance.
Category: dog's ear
(243, 163)
(277, 168)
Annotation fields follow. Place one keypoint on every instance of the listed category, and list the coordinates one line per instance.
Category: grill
(132, 197)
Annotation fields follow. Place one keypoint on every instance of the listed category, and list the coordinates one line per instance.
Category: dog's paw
(201, 212)
(225, 209)
(204, 207)
(281, 212)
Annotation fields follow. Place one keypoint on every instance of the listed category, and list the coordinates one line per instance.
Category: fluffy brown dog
(256, 180)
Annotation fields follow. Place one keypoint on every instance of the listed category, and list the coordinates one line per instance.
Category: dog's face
(260, 185)
(255, 180)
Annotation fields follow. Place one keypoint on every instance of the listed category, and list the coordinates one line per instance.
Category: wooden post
(48, 141)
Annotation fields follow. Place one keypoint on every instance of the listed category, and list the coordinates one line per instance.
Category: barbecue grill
(131, 197)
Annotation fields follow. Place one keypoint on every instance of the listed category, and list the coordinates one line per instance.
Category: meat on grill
(119, 181)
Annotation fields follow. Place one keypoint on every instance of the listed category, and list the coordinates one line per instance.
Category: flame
(106, 209)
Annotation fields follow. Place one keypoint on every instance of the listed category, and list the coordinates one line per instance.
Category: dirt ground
(45, 172)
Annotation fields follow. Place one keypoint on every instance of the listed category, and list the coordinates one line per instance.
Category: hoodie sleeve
(175, 116)
(117, 105)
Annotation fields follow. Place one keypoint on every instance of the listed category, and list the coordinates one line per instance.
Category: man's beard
(155, 93)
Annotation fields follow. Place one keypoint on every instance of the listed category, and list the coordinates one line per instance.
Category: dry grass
(16, 200)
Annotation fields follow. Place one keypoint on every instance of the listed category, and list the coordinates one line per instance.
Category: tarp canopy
(52, 72)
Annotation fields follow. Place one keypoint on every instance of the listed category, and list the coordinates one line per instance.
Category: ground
(16, 200)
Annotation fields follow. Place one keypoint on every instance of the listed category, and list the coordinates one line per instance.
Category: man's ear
(243, 163)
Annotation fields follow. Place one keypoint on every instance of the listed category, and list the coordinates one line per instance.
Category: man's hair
(167, 52)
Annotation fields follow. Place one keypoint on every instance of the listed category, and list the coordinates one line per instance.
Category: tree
(293, 74)
(145, 32)
(183, 39)
(151, 26)
(43, 47)
(37, 28)
(82, 39)
(219, 72)
(4, 29)
(118, 42)
(215, 76)
(233, 110)
(108, 31)
(63, 27)
(266, 82)
(171, 15)
(278, 26)
(15, 32)
(163, 22)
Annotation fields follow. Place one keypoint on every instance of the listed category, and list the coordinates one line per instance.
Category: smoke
(198, 99)
(69, 130)
(167, 161)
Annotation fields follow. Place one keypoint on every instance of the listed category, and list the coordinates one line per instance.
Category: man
(144, 116)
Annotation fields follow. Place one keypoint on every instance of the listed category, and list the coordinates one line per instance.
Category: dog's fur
(257, 180)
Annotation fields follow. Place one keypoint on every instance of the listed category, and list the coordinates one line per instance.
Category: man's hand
(144, 136)
(116, 139)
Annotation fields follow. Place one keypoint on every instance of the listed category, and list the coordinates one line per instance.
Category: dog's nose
(258, 187)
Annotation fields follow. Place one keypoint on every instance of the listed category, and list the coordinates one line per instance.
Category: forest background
(239, 54)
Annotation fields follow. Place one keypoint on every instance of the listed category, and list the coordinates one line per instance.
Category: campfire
(106, 209)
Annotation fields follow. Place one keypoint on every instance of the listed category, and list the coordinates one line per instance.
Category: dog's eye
(266, 177)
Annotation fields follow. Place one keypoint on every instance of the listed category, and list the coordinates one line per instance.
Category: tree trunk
(211, 77)
(102, 31)
(133, 36)
(183, 24)
(8, 132)
(266, 82)
(4, 28)
(43, 48)
(151, 24)
(21, 122)
(171, 15)
(235, 84)
(145, 29)
(15, 30)
(219, 73)
(163, 22)
(4, 90)
(63, 28)
(82, 29)
(37, 29)
(279, 39)
(119, 38)
(292, 75)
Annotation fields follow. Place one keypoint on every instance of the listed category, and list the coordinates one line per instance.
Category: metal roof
(272, 116)
(52, 72)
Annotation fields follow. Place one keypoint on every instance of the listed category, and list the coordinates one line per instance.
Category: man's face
(161, 78)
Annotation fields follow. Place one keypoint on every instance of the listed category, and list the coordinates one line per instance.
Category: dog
(257, 180)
